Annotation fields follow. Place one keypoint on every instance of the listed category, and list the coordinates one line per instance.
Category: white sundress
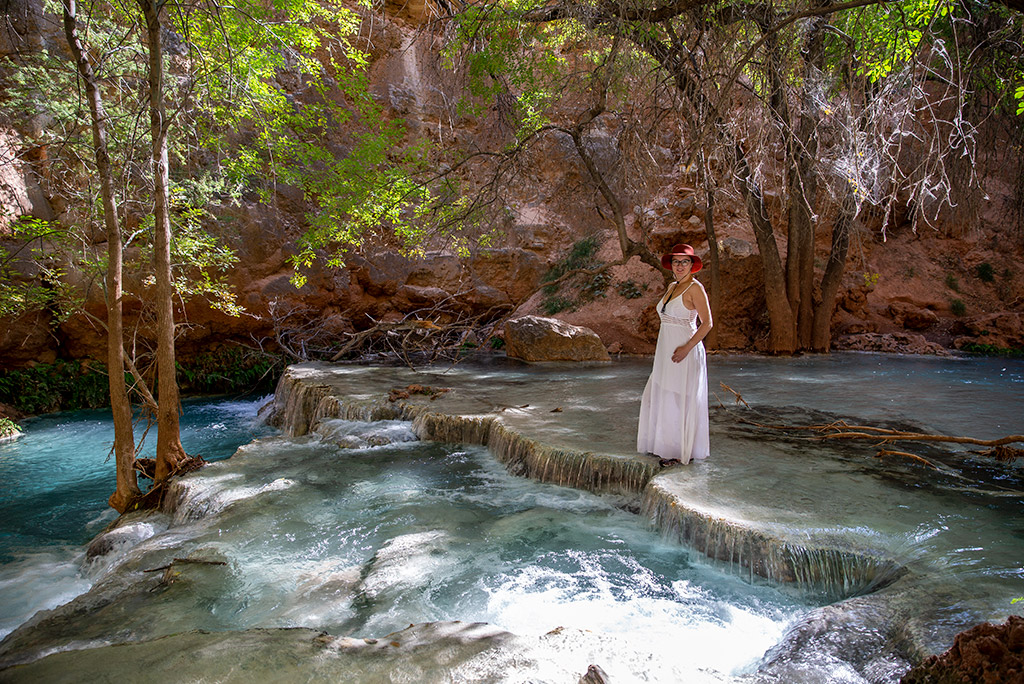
(674, 408)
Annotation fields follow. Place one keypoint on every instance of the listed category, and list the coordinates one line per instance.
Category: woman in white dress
(674, 408)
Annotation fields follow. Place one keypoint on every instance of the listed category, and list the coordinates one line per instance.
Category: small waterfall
(831, 572)
(582, 470)
(297, 404)
(439, 427)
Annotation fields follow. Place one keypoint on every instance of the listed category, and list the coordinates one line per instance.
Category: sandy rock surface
(532, 338)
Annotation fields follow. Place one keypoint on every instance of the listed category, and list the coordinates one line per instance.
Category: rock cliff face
(918, 291)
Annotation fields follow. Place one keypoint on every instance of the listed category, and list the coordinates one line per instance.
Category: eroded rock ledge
(529, 446)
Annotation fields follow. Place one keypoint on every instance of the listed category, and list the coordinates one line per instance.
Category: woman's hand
(681, 352)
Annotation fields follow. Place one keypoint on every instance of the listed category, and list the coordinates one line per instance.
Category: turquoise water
(56, 480)
(366, 540)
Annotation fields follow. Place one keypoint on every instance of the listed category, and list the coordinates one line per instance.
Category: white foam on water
(354, 434)
(39, 581)
(685, 633)
(203, 497)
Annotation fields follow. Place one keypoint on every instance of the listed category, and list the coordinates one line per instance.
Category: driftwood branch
(194, 561)
(739, 397)
(842, 430)
(358, 339)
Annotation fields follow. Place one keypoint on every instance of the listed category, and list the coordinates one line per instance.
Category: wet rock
(133, 529)
(833, 644)
(890, 343)
(419, 653)
(533, 338)
(984, 654)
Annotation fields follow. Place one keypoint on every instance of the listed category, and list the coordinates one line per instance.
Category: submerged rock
(532, 338)
(128, 533)
(280, 655)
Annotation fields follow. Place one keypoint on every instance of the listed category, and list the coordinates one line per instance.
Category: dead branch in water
(906, 454)
(196, 561)
(739, 397)
(1002, 453)
(840, 429)
(170, 576)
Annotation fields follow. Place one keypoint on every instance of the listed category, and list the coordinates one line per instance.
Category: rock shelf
(548, 430)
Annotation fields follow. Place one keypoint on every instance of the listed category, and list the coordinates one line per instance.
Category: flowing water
(358, 529)
(56, 479)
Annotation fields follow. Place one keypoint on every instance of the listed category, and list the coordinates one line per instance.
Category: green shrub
(497, 342)
(958, 307)
(61, 385)
(992, 350)
(596, 286)
(8, 427)
(985, 272)
(229, 370)
(71, 385)
(553, 305)
(952, 283)
(580, 256)
(630, 290)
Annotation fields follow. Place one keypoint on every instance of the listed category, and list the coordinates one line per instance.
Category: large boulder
(911, 316)
(532, 338)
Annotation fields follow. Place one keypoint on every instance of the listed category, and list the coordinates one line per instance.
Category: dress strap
(668, 296)
(671, 294)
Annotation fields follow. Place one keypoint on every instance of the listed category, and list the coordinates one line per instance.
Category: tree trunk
(821, 337)
(169, 452)
(781, 320)
(627, 246)
(711, 341)
(803, 201)
(127, 485)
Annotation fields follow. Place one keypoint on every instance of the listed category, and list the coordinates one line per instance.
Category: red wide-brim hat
(681, 250)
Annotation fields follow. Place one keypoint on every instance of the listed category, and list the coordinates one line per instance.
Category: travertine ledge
(830, 567)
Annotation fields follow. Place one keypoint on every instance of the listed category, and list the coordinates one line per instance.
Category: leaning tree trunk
(804, 198)
(821, 333)
(127, 484)
(627, 246)
(713, 257)
(169, 452)
(781, 318)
